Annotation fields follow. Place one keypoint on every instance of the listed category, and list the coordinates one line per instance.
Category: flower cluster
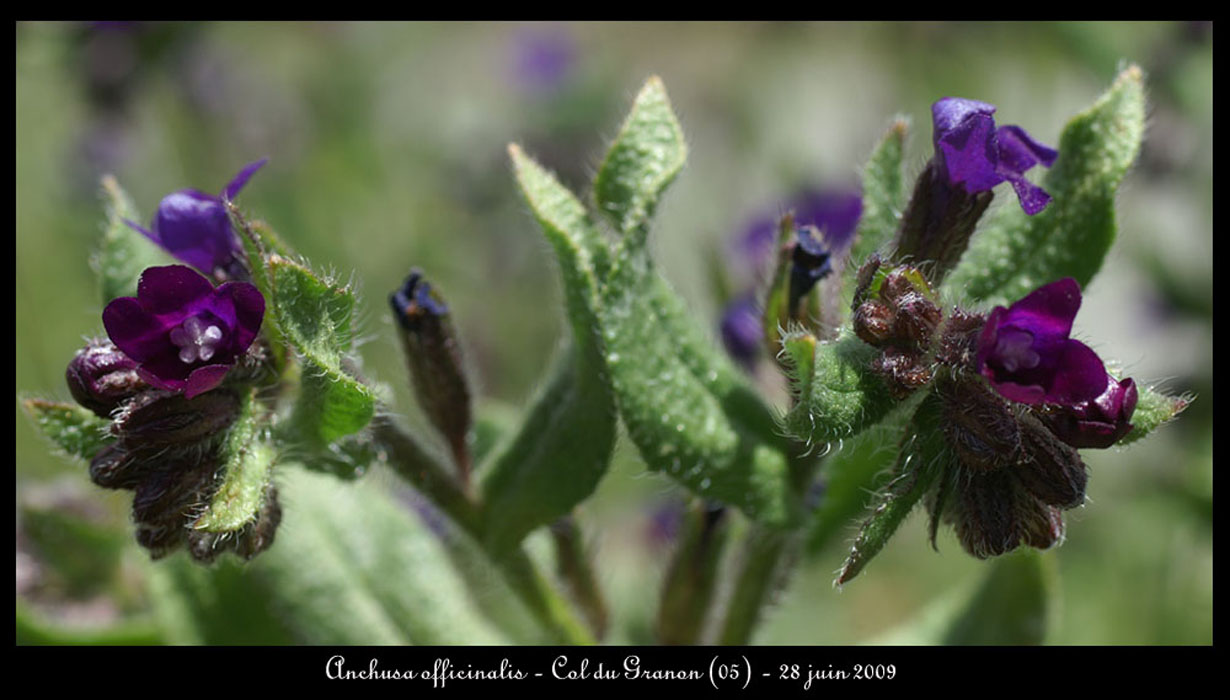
(1019, 395)
(181, 356)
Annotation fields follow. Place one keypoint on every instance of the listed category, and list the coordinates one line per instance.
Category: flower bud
(100, 377)
(117, 468)
(168, 498)
(157, 419)
(433, 356)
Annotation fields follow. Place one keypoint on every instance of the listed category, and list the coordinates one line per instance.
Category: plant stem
(687, 591)
(438, 484)
(765, 562)
(573, 566)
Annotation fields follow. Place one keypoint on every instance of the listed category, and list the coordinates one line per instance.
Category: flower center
(1015, 350)
(195, 340)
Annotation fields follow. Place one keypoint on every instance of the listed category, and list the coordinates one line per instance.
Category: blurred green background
(387, 147)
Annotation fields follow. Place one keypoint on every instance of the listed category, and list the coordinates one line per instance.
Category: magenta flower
(1100, 422)
(1026, 354)
(184, 333)
(194, 227)
(978, 156)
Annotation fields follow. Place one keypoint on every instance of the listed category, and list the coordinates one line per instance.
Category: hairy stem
(438, 484)
(574, 567)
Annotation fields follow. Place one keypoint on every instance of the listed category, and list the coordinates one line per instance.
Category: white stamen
(195, 340)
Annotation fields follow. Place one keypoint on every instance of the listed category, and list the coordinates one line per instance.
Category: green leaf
(73, 429)
(1012, 605)
(687, 414)
(837, 394)
(646, 155)
(852, 474)
(884, 194)
(686, 409)
(921, 459)
(314, 316)
(249, 459)
(123, 254)
(563, 446)
(1017, 253)
(349, 566)
(1153, 410)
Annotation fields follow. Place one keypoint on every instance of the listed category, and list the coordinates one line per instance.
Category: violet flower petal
(166, 290)
(204, 378)
(241, 178)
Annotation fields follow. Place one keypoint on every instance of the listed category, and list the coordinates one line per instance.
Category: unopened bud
(100, 377)
(116, 468)
(157, 419)
(433, 356)
(938, 222)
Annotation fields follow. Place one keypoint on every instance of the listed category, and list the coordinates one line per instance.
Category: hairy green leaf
(884, 194)
(349, 566)
(123, 254)
(249, 459)
(1011, 606)
(646, 155)
(919, 462)
(75, 430)
(562, 448)
(314, 316)
(854, 471)
(1017, 253)
(837, 393)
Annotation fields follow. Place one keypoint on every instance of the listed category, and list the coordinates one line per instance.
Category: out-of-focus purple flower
(1100, 422)
(978, 156)
(184, 333)
(1026, 354)
(543, 57)
(834, 212)
(194, 227)
(742, 332)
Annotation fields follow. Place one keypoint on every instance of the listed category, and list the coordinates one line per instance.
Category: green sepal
(73, 429)
(123, 254)
(837, 394)
(884, 194)
(922, 458)
(645, 157)
(1017, 253)
(248, 458)
(1153, 410)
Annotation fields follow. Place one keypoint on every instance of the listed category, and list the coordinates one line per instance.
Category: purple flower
(194, 227)
(978, 156)
(1026, 354)
(742, 332)
(184, 333)
(1100, 422)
